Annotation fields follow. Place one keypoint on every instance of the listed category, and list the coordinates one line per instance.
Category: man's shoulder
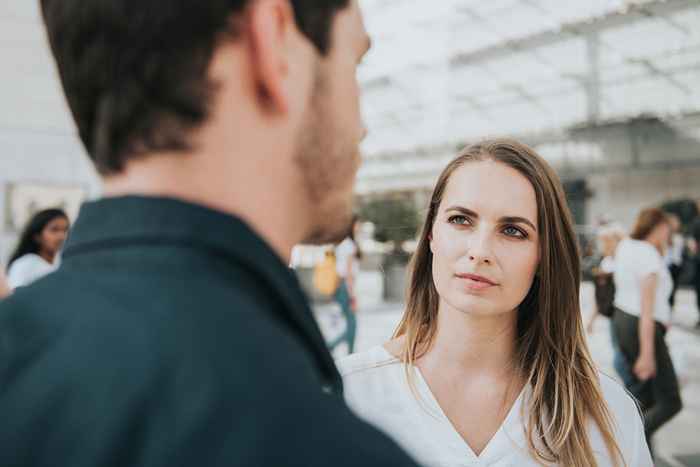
(206, 368)
(88, 317)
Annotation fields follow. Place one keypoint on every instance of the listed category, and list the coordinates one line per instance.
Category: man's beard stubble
(326, 157)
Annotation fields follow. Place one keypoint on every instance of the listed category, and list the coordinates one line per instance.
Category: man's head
(146, 77)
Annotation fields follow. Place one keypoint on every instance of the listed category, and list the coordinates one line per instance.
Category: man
(173, 334)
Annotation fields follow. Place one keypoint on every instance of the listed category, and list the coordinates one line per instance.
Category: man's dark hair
(135, 71)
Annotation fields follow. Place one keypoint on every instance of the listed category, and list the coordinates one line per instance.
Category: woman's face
(484, 241)
(660, 236)
(54, 235)
(356, 229)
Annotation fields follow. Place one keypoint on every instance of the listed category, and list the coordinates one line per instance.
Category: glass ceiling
(438, 75)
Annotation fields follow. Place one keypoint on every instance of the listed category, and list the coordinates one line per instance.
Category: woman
(489, 363)
(38, 247)
(643, 286)
(608, 239)
(347, 257)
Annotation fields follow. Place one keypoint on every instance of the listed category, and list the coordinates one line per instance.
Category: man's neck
(265, 203)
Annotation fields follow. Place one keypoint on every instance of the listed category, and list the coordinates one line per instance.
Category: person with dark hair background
(37, 251)
(674, 255)
(695, 250)
(174, 334)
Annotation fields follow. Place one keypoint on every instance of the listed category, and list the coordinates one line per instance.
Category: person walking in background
(674, 255)
(347, 261)
(609, 237)
(643, 287)
(695, 251)
(4, 287)
(38, 248)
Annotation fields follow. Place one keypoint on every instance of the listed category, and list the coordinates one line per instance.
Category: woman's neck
(47, 256)
(656, 244)
(470, 343)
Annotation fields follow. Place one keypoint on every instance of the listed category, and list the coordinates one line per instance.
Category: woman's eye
(514, 232)
(459, 220)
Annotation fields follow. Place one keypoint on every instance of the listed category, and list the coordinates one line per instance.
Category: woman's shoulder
(347, 246)
(26, 264)
(26, 269)
(373, 384)
(635, 247)
(628, 424)
(637, 256)
(619, 400)
(28, 259)
(365, 364)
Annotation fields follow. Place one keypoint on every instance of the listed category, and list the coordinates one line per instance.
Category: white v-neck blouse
(377, 391)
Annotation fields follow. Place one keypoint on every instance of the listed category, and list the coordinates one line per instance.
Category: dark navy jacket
(172, 335)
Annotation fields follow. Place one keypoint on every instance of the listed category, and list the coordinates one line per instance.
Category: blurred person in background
(347, 261)
(674, 255)
(4, 287)
(37, 252)
(695, 251)
(608, 238)
(643, 287)
(174, 333)
(489, 364)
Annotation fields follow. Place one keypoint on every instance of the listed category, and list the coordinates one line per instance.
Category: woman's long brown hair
(551, 347)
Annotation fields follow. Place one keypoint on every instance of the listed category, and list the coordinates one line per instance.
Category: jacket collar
(108, 222)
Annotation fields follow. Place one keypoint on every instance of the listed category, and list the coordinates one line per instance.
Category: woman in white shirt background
(37, 250)
(489, 364)
(643, 286)
(608, 238)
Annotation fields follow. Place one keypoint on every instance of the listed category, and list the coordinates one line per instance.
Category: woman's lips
(476, 282)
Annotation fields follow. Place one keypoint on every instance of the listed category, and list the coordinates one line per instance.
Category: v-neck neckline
(497, 445)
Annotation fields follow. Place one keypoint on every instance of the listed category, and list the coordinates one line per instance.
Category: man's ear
(271, 27)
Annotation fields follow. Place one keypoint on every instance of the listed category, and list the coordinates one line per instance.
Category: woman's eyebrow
(518, 220)
(504, 220)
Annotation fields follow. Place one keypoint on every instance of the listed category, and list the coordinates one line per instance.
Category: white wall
(620, 196)
(38, 141)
